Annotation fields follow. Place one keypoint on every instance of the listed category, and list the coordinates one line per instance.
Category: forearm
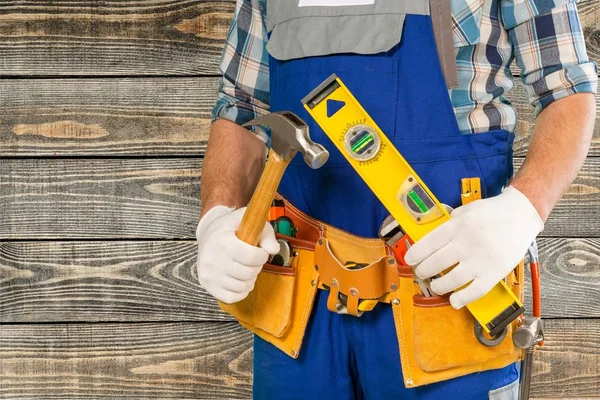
(233, 164)
(558, 148)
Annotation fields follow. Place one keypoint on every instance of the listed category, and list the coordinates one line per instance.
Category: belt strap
(441, 18)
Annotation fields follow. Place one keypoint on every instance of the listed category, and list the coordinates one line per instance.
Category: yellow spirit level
(397, 186)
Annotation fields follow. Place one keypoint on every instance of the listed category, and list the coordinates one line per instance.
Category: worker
(386, 52)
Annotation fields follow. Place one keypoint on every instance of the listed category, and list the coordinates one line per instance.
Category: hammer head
(289, 134)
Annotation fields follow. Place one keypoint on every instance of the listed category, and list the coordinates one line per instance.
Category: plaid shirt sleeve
(244, 85)
(549, 48)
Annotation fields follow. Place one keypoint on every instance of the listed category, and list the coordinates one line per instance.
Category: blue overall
(345, 357)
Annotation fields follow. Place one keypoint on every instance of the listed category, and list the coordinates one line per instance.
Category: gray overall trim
(298, 32)
(320, 36)
(441, 19)
(508, 392)
(279, 11)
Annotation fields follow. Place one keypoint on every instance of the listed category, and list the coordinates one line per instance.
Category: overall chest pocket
(368, 27)
(371, 27)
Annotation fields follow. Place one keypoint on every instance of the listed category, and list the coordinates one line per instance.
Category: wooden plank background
(104, 117)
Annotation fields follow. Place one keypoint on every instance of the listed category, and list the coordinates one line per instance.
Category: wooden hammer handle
(253, 221)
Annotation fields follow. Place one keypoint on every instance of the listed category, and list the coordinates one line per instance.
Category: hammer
(289, 135)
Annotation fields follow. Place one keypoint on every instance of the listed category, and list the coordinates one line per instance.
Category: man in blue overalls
(385, 52)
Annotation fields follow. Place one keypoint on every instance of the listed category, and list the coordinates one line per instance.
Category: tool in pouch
(403, 193)
(530, 334)
(282, 225)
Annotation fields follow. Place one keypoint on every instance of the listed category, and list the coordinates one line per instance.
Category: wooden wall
(104, 116)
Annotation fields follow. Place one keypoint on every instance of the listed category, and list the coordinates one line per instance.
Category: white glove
(488, 238)
(228, 267)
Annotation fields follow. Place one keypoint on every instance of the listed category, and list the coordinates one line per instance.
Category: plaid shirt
(543, 36)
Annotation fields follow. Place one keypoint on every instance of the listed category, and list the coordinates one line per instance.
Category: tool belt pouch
(278, 308)
(437, 342)
(349, 287)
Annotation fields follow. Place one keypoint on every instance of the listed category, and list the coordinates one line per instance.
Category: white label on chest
(333, 3)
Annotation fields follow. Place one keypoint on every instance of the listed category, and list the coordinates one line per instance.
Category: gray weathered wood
(144, 116)
(569, 362)
(147, 198)
(80, 117)
(213, 360)
(140, 38)
(589, 12)
(143, 281)
(182, 360)
(90, 38)
(201, 353)
(570, 275)
(99, 198)
(102, 281)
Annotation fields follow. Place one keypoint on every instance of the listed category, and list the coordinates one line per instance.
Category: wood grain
(181, 360)
(105, 117)
(99, 198)
(214, 360)
(570, 276)
(589, 13)
(112, 38)
(161, 37)
(159, 199)
(569, 362)
(138, 117)
(144, 281)
(102, 281)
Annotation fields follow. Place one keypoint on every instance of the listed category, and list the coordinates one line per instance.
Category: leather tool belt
(354, 287)
(436, 341)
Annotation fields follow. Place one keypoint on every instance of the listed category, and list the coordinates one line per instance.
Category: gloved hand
(228, 267)
(488, 238)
